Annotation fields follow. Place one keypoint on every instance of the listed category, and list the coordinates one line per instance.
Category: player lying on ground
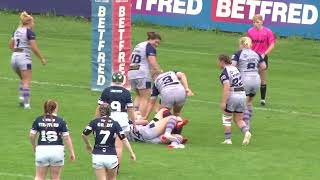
(104, 155)
(233, 99)
(23, 41)
(159, 131)
(249, 63)
(173, 89)
(49, 151)
(143, 59)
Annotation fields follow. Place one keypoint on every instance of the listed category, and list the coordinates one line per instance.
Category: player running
(104, 155)
(263, 43)
(233, 99)
(249, 63)
(121, 104)
(143, 59)
(49, 151)
(23, 41)
(173, 89)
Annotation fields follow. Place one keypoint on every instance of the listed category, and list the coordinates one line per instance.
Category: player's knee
(226, 120)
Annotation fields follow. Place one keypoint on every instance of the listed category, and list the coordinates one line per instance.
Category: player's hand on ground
(133, 157)
(43, 61)
(89, 148)
(189, 92)
(223, 106)
(72, 157)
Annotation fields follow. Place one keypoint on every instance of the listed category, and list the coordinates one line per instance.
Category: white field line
(4, 174)
(192, 100)
(186, 52)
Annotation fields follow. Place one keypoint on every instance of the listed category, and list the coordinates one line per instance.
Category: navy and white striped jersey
(105, 132)
(50, 130)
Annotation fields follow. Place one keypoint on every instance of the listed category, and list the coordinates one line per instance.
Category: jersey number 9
(116, 106)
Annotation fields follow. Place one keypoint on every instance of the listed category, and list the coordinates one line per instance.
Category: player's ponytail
(245, 42)
(25, 18)
(225, 58)
(105, 112)
(153, 36)
(49, 108)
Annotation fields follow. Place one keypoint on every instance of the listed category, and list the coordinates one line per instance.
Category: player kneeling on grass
(173, 89)
(249, 63)
(233, 99)
(49, 152)
(104, 155)
(159, 131)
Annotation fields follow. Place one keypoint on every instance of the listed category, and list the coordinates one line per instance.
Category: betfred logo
(167, 7)
(273, 12)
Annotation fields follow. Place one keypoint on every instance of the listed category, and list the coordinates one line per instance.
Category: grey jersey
(233, 76)
(167, 80)
(22, 37)
(247, 61)
(140, 66)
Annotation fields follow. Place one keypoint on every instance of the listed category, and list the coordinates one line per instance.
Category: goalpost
(111, 41)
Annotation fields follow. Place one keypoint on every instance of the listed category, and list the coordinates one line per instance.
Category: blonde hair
(257, 17)
(25, 18)
(246, 42)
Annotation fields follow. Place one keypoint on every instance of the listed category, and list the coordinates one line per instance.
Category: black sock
(263, 91)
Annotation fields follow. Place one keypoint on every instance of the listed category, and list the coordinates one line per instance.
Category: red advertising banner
(121, 37)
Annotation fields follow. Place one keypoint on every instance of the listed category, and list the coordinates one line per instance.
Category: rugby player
(49, 151)
(121, 104)
(104, 155)
(23, 41)
(159, 130)
(173, 89)
(249, 63)
(263, 43)
(143, 59)
(233, 99)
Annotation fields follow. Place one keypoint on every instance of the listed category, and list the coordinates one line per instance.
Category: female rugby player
(249, 63)
(159, 130)
(23, 41)
(104, 155)
(233, 99)
(49, 151)
(143, 59)
(173, 89)
(263, 43)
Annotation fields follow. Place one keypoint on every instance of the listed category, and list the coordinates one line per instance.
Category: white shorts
(49, 155)
(21, 61)
(141, 83)
(100, 161)
(122, 119)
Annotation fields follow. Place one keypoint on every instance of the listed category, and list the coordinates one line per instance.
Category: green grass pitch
(285, 142)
